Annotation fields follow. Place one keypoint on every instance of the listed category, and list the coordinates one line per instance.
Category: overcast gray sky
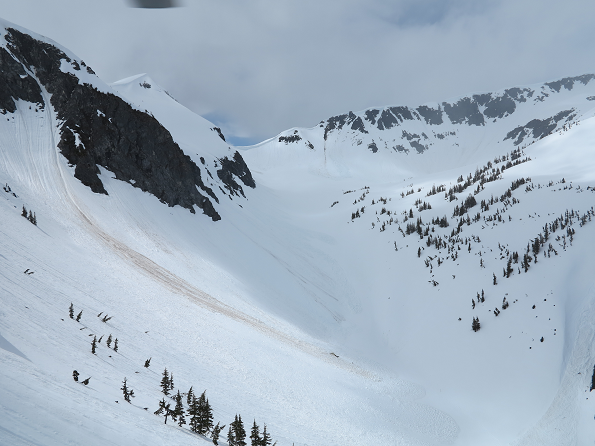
(258, 67)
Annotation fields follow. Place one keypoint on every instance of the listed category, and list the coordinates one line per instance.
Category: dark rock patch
(235, 167)
(568, 82)
(464, 111)
(219, 132)
(387, 120)
(370, 116)
(430, 115)
(290, 138)
(336, 122)
(539, 128)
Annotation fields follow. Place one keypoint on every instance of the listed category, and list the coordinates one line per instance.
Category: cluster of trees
(29, 215)
(200, 415)
(198, 409)
(468, 204)
(96, 341)
(435, 190)
(486, 174)
(535, 246)
(357, 214)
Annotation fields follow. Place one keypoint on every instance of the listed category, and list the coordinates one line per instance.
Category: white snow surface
(288, 311)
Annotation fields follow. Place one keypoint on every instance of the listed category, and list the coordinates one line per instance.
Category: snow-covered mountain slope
(382, 142)
(334, 306)
(98, 128)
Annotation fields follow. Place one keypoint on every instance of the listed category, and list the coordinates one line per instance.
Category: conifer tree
(24, 212)
(109, 341)
(164, 408)
(255, 435)
(231, 438)
(205, 414)
(239, 431)
(179, 410)
(127, 393)
(148, 363)
(216, 431)
(190, 396)
(266, 437)
(75, 375)
(71, 311)
(171, 381)
(116, 345)
(194, 412)
(78, 316)
(94, 344)
(475, 325)
(165, 385)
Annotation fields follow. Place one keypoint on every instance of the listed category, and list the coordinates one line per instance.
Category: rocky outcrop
(100, 129)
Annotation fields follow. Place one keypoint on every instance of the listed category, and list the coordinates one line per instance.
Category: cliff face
(98, 128)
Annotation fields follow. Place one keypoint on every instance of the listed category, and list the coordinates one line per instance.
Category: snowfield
(307, 306)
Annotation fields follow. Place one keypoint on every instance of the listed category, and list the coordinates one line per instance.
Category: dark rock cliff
(100, 129)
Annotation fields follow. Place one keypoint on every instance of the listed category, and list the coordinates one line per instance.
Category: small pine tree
(194, 413)
(24, 212)
(100, 339)
(266, 437)
(71, 311)
(116, 345)
(255, 435)
(239, 431)
(179, 410)
(75, 375)
(164, 408)
(205, 414)
(78, 316)
(171, 381)
(190, 397)
(127, 393)
(216, 431)
(495, 281)
(109, 341)
(165, 386)
(148, 363)
(94, 344)
(475, 325)
(231, 439)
